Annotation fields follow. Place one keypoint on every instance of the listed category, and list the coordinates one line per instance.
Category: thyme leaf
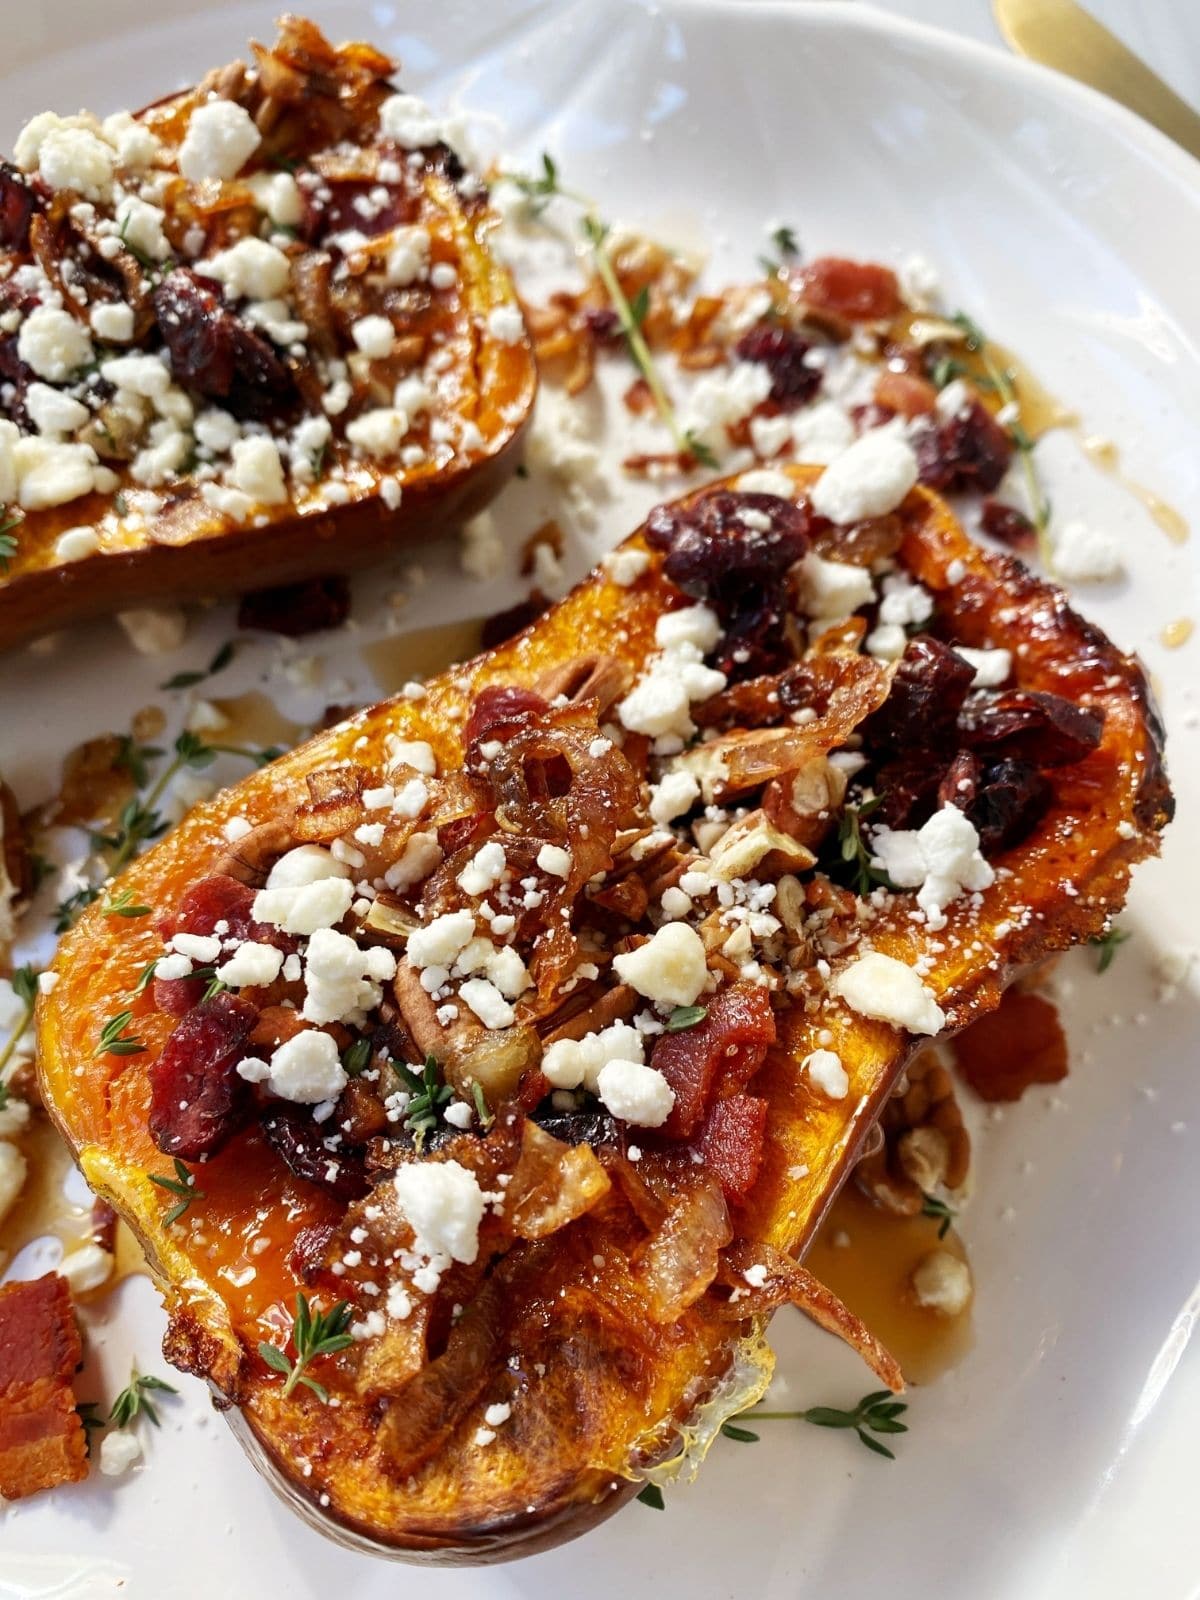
(685, 1017)
(875, 1413)
(931, 1206)
(1107, 944)
(114, 1041)
(182, 1184)
(322, 1333)
(133, 1401)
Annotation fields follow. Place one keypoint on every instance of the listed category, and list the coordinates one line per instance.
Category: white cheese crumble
(506, 324)
(443, 1205)
(306, 863)
(488, 1004)
(832, 590)
(826, 1072)
(374, 336)
(343, 978)
(724, 398)
(306, 1069)
(220, 139)
(658, 703)
(440, 941)
(940, 860)
(869, 479)
(415, 753)
(635, 1093)
(484, 870)
(305, 909)
(53, 343)
(251, 965)
(879, 986)
(670, 968)
(672, 795)
(1083, 554)
(251, 269)
(992, 667)
(577, 1063)
(552, 858)
(625, 567)
(86, 1268)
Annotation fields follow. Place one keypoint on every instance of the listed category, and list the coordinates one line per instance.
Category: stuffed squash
(516, 1033)
(249, 335)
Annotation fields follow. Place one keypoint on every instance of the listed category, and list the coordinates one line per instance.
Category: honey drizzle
(423, 651)
(1177, 633)
(871, 1274)
(1103, 453)
(254, 719)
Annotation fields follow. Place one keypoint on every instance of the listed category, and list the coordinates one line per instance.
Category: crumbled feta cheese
(251, 966)
(73, 544)
(869, 479)
(939, 860)
(552, 858)
(942, 1282)
(119, 1450)
(723, 398)
(443, 1205)
(342, 978)
(879, 986)
(410, 122)
(888, 642)
(153, 632)
(669, 969)
(440, 941)
(75, 158)
(422, 854)
(506, 324)
(767, 480)
(832, 590)
(625, 567)
(635, 1093)
(141, 226)
(695, 625)
(485, 869)
(822, 432)
(488, 1004)
(675, 793)
(415, 753)
(52, 412)
(305, 1069)
(251, 269)
(220, 139)
(374, 336)
(86, 1268)
(992, 667)
(408, 256)
(825, 1070)
(257, 471)
(577, 1063)
(53, 343)
(1083, 554)
(278, 194)
(305, 909)
(307, 863)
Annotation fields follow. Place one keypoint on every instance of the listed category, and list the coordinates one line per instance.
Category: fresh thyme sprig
(8, 544)
(114, 1041)
(652, 1496)
(485, 1116)
(684, 1017)
(931, 1206)
(121, 905)
(134, 1402)
(786, 249)
(187, 680)
(630, 314)
(313, 1335)
(24, 986)
(878, 1412)
(356, 1057)
(1107, 944)
(429, 1095)
(1000, 379)
(855, 851)
(182, 1184)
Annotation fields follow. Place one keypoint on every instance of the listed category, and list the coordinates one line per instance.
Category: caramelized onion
(553, 1184)
(681, 1259)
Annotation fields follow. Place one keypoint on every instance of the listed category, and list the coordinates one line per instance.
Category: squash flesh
(617, 1393)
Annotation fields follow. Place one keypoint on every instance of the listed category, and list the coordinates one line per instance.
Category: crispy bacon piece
(1019, 1044)
(196, 1097)
(42, 1440)
(731, 1142)
(859, 291)
(717, 1057)
(499, 711)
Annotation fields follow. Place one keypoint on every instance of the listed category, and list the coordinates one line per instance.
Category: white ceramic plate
(1057, 1460)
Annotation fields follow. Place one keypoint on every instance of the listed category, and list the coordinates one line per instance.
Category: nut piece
(942, 1283)
(925, 1142)
(742, 849)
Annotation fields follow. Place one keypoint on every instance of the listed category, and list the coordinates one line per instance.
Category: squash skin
(191, 551)
(617, 1395)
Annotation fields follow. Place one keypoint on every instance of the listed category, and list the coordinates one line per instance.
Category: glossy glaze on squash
(600, 1393)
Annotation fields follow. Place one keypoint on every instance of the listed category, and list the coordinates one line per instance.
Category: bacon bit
(1019, 1044)
(638, 398)
(717, 1058)
(550, 535)
(499, 711)
(860, 291)
(296, 609)
(42, 1439)
(731, 1142)
(196, 1097)
(1008, 525)
(306, 1258)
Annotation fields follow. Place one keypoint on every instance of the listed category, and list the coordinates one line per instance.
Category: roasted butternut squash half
(516, 1033)
(249, 335)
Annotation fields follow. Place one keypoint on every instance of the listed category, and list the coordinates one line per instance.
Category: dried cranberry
(1007, 525)
(197, 1100)
(295, 609)
(960, 783)
(1011, 798)
(718, 550)
(222, 899)
(214, 352)
(300, 1142)
(856, 290)
(177, 996)
(351, 206)
(499, 711)
(968, 451)
(17, 205)
(923, 704)
(603, 324)
(1029, 725)
(782, 352)
(505, 625)
(908, 789)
